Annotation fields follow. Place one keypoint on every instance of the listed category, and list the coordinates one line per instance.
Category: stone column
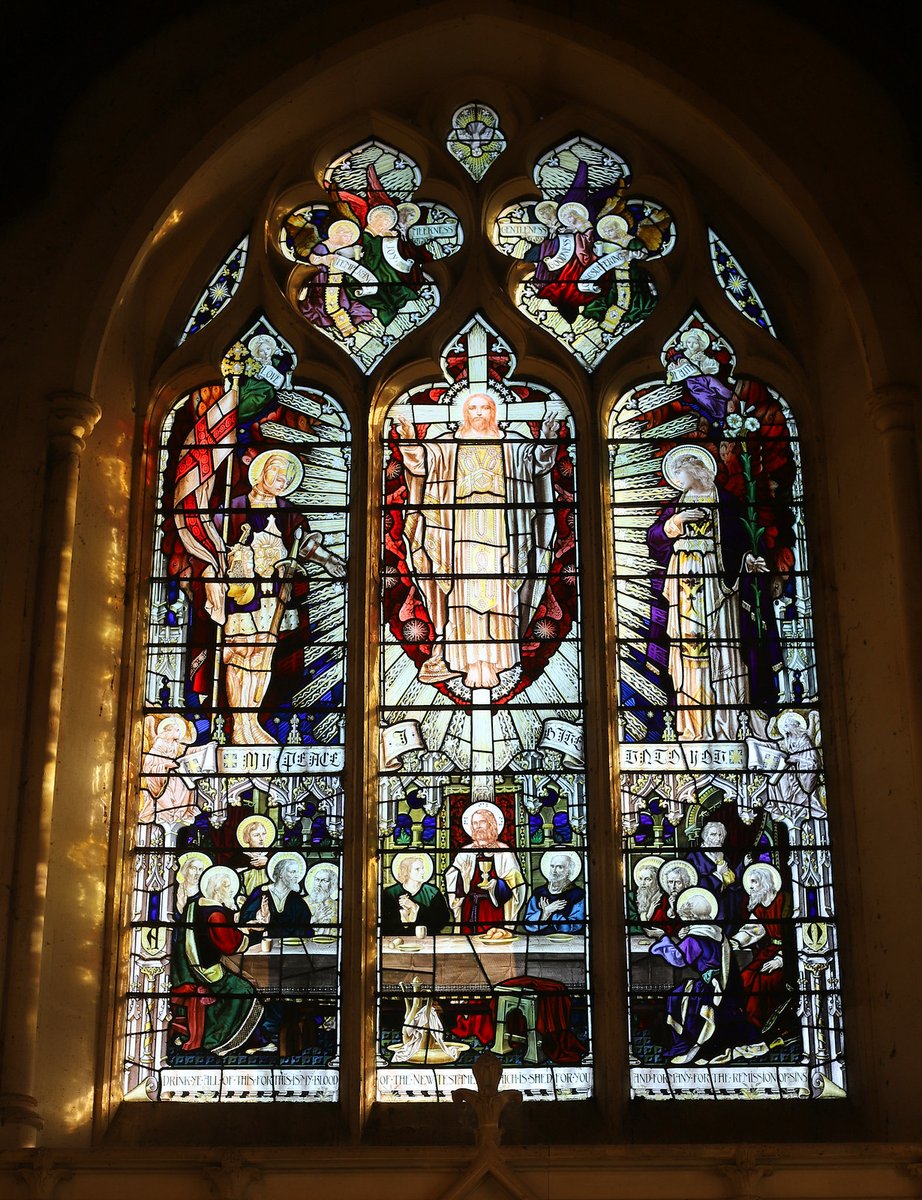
(71, 419)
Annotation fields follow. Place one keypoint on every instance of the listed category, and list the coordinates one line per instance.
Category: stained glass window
(360, 277)
(220, 289)
(731, 938)
(585, 240)
(238, 810)
(482, 859)
(235, 914)
(736, 284)
(476, 139)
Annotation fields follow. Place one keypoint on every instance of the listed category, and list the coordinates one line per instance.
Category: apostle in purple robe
(705, 1013)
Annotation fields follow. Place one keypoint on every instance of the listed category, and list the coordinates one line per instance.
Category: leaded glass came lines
(220, 290)
(235, 948)
(732, 943)
(482, 856)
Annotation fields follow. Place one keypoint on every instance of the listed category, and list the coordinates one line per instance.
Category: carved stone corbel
(488, 1103)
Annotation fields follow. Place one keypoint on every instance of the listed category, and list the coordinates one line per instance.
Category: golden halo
(651, 860)
(476, 807)
(294, 469)
(573, 206)
(401, 858)
(705, 457)
(693, 893)
(187, 733)
(198, 856)
(248, 823)
(613, 229)
(215, 875)
(773, 873)
(409, 207)
(682, 865)
(287, 856)
(799, 720)
(382, 208)
(342, 227)
(315, 871)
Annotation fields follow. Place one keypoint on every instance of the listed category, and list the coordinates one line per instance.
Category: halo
(612, 228)
(406, 205)
(695, 892)
(188, 729)
(315, 871)
(248, 823)
(673, 862)
(377, 208)
(342, 224)
(476, 807)
(399, 858)
(286, 856)
(456, 408)
(215, 874)
(573, 206)
(261, 339)
(698, 333)
(295, 469)
(773, 873)
(774, 726)
(545, 206)
(651, 860)
(198, 856)
(705, 457)
(570, 855)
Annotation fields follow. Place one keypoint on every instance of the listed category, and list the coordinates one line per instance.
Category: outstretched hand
(405, 430)
(550, 423)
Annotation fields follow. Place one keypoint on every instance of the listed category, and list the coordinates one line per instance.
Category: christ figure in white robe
(480, 532)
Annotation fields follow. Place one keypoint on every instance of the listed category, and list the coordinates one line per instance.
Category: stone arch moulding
(289, 329)
(226, 178)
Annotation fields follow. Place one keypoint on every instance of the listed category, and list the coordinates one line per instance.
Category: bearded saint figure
(267, 540)
(480, 531)
(484, 883)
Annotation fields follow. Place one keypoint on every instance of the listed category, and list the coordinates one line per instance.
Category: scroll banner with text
(399, 739)
(565, 737)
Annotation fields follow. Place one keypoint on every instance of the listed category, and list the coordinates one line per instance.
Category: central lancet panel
(482, 929)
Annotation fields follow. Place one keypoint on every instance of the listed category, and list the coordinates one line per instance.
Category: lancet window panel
(732, 943)
(234, 975)
(482, 802)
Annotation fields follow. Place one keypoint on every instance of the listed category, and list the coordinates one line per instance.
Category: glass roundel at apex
(234, 976)
(482, 806)
(475, 138)
(731, 935)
